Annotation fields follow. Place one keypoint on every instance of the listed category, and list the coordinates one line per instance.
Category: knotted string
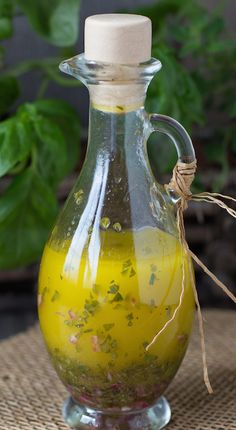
(183, 176)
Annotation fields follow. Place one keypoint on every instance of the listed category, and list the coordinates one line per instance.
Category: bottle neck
(116, 133)
(117, 98)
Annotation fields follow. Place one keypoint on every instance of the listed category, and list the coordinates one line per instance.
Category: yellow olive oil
(99, 308)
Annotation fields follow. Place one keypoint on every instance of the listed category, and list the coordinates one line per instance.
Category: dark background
(211, 230)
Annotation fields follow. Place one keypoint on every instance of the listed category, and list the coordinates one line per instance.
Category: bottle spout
(64, 67)
(70, 67)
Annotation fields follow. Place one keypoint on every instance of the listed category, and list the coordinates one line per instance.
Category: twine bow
(182, 178)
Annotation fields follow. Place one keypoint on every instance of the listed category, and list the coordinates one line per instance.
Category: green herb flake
(108, 345)
(90, 229)
(108, 327)
(117, 306)
(79, 325)
(45, 291)
(69, 323)
(130, 318)
(91, 306)
(152, 279)
(117, 227)
(125, 271)
(78, 196)
(117, 298)
(119, 108)
(56, 296)
(114, 288)
(95, 289)
(127, 264)
(127, 268)
(105, 223)
(132, 272)
(88, 330)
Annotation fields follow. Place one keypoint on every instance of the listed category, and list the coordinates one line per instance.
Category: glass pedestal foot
(81, 417)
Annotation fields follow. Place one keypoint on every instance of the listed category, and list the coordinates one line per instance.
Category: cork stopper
(118, 38)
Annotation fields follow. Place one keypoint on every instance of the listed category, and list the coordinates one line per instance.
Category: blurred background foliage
(197, 83)
(39, 142)
(40, 139)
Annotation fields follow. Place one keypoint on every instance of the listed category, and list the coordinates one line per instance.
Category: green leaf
(66, 118)
(52, 128)
(173, 91)
(159, 12)
(9, 90)
(56, 136)
(55, 20)
(40, 137)
(51, 151)
(27, 211)
(15, 143)
(6, 15)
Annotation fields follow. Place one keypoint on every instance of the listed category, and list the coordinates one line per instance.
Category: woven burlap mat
(31, 395)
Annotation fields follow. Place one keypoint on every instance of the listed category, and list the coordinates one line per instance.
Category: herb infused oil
(111, 275)
(97, 327)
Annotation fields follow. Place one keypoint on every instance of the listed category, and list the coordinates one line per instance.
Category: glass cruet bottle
(111, 271)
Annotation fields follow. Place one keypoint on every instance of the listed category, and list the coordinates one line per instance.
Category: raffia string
(183, 176)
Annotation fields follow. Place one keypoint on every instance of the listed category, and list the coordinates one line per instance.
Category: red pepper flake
(140, 405)
(140, 390)
(60, 314)
(95, 344)
(73, 339)
(182, 338)
(71, 314)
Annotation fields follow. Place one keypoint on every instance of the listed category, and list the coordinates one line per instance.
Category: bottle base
(81, 417)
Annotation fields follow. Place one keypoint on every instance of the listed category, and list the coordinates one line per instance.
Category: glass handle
(177, 133)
